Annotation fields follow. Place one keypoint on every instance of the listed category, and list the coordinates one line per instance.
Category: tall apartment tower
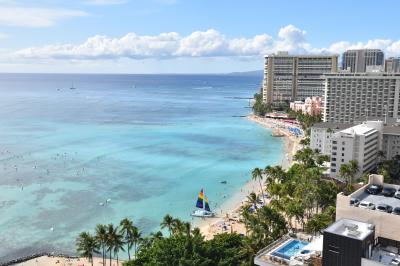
(295, 77)
(392, 65)
(358, 61)
(350, 97)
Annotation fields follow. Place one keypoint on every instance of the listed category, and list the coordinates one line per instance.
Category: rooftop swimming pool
(291, 248)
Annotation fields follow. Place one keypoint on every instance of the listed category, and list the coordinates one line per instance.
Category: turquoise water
(290, 249)
(146, 142)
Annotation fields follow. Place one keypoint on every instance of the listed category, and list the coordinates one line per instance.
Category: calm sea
(137, 146)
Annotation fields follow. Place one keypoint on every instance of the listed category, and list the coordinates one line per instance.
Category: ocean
(137, 146)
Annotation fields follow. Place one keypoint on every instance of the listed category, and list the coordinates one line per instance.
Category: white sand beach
(228, 219)
(61, 261)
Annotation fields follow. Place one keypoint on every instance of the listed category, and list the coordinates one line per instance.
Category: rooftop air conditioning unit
(351, 226)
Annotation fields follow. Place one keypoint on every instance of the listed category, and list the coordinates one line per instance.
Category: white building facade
(359, 143)
(349, 96)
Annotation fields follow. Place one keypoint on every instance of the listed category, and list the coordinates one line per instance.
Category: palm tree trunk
(262, 192)
(110, 256)
(129, 253)
(117, 260)
(135, 250)
(104, 256)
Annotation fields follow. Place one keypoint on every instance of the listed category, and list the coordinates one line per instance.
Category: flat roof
(333, 125)
(351, 228)
(380, 199)
(359, 129)
(302, 55)
(391, 130)
(361, 75)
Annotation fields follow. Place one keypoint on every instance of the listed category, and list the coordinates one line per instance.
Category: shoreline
(228, 218)
(228, 214)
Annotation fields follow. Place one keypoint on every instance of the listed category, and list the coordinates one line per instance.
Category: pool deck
(266, 256)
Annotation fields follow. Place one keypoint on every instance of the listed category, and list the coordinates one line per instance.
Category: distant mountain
(248, 73)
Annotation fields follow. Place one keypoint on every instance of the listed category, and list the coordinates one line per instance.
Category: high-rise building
(392, 65)
(358, 143)
(295, 77)
(358, 61)
(349, 96)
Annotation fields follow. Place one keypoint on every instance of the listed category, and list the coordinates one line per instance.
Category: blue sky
(178, 36)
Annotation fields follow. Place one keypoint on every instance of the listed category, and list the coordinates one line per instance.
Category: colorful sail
(200, 200)
(207, 207)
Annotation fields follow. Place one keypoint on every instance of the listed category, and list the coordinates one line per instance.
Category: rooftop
(351, 228)
(359, 130)
(391, 130)
(378, 199)
(362, 75)
(332, 125)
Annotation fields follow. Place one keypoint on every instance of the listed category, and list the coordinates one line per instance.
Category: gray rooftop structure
(391, 130)
(351, 228)
(333, 125)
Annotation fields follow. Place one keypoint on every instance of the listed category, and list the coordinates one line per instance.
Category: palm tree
(257, 174)
(118, 244)
(347, 171)
(111, 233)
(252, 198)
(126, 229)
(86, 246)
(156, 236)
(168, 222)
(177, 226)
(101, 238)
(305, 157)
(135, 239)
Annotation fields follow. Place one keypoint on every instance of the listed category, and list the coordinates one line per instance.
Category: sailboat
(72, 87)
(203, 207)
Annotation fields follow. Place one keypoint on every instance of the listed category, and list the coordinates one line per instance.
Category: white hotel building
(360, 142)
(349, 96)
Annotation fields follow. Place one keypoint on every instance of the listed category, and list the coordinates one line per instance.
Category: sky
(185, 36)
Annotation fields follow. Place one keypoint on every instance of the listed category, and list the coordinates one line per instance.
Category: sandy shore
(54, 261)
(227, 218)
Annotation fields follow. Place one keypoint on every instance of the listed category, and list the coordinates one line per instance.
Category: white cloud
(105, 2)
(34, 17)
(209, 43)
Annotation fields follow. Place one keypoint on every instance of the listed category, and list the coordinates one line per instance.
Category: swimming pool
(290, 249)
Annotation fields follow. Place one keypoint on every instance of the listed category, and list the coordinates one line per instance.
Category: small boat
(72, 87)
(223, 182)
(203, 207)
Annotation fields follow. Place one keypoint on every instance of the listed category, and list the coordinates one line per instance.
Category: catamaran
(203, 207)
